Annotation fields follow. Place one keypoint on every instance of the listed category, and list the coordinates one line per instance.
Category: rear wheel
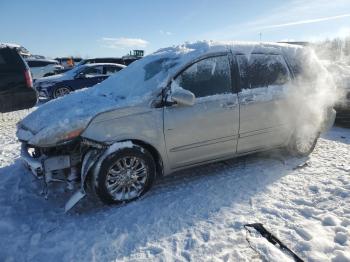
(303, 142)
(125, 175)
(61, 91)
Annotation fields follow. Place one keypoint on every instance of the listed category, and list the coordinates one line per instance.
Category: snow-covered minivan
(177, 108)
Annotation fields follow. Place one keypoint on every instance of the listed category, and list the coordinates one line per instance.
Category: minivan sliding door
(264, 114)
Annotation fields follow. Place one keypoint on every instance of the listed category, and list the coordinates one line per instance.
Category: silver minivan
(177, 108)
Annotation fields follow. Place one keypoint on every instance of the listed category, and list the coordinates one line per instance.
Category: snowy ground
(196, 215)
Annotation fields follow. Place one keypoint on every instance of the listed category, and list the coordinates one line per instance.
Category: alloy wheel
(127, 178)
(62, 91)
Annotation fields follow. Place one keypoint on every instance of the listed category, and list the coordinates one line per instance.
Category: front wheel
(61, 91)
(303, 142)
(125, 175)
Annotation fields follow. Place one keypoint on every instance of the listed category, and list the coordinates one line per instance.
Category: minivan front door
(207, 130)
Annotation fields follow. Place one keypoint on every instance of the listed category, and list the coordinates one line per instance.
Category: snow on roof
(154, 71)
(20, 48)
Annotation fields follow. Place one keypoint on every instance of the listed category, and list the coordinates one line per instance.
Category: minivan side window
(207, 77)
(262, 70)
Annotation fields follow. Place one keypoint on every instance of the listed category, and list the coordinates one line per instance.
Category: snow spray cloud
(303, 104)
(312, 94)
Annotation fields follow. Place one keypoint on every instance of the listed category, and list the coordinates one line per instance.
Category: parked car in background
(124, 60)
(16, 86)
(114, 60)
(43, 67)
(77, 78)
(177, 108)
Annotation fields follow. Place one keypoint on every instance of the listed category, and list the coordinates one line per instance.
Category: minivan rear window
(262, 70)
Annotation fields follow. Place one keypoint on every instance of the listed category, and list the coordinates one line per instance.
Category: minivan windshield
(138, 79)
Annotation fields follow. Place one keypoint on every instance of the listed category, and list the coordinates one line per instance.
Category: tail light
(28, 77)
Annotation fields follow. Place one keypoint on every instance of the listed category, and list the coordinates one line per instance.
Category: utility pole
(260, 36)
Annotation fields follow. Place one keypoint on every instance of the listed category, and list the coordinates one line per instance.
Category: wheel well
(155, 154)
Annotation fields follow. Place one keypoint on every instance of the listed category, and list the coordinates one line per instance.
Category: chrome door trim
(204, 143)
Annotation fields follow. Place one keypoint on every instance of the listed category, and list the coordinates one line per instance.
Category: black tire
(302, 143)
(57, 92)
(100, 181)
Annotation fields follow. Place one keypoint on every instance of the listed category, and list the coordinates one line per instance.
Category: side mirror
(182, 97)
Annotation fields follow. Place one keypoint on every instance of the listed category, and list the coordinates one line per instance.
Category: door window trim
(239, 86)
(218, 54)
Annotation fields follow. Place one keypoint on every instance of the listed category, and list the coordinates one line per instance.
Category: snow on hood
(131, 85)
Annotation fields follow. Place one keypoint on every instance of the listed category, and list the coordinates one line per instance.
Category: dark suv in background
(124, 60)
(16, 85)
(81, 76)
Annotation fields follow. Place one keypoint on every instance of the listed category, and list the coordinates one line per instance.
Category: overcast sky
(112, 28)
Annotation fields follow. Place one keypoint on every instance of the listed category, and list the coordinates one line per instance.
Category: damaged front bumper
(43, 164)
(47, 167)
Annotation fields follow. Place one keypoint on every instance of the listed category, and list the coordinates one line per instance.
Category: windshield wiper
(272, 239)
